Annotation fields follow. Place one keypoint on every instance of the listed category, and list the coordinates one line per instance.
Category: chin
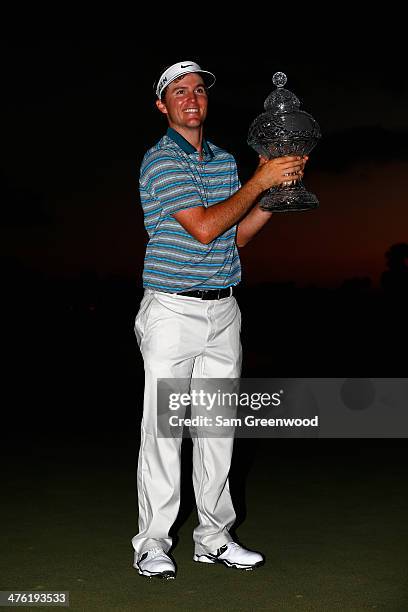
(193, 124)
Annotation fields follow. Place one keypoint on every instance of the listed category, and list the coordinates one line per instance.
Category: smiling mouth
(191, 110)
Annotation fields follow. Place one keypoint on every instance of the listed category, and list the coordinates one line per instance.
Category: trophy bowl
(281, 130)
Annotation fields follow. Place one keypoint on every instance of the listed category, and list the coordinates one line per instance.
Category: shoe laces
(231, 545)
(153, 552)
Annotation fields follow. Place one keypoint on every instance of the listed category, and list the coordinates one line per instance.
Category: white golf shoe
(155, 564)
(233, 555)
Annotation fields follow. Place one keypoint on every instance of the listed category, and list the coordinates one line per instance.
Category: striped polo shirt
(173, 178)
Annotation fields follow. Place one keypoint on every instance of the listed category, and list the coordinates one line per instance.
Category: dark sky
(79, 116)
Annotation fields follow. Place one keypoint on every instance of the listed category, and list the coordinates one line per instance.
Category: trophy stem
(290, 196)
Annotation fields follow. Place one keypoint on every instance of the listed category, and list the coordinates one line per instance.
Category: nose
(192, 96)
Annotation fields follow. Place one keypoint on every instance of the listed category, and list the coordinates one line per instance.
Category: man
(188, 323)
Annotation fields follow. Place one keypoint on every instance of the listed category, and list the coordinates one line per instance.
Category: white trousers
(184, 337)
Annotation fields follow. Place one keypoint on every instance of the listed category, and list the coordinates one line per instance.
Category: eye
(179, 92)
(201, 90)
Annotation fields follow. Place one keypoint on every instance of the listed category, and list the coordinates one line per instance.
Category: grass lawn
(331, 523)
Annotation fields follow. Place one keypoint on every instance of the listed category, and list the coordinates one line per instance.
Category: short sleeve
(170, 184)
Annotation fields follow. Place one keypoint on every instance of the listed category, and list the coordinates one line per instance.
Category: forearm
(251, 224)
(218, 218)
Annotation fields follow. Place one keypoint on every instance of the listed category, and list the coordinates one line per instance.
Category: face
(185, 102)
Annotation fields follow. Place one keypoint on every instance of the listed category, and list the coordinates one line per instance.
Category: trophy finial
(279, 79)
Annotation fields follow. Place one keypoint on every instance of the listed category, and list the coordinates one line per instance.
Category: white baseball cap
(177, 70)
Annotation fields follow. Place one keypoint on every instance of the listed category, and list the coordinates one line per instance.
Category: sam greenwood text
(248, 421)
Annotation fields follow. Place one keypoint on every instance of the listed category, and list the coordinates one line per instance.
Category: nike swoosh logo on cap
(186, 66)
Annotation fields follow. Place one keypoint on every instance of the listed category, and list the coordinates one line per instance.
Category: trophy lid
(283, 129)
(281, 100)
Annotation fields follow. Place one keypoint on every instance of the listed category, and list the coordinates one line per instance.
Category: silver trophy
(283, 129)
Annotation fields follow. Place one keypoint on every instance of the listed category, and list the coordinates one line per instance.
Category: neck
(193, 135)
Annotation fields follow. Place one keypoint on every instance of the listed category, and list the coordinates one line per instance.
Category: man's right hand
(275, 171)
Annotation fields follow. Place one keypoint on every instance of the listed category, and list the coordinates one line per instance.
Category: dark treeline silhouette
(72, 358)
(394, 280)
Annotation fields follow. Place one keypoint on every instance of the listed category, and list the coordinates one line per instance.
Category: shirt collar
(185, 145)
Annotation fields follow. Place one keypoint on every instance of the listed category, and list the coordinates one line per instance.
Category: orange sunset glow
(362, 213)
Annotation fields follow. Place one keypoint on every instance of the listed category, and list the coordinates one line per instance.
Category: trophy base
(291, 196)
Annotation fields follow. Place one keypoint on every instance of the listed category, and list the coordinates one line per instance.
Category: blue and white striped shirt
(173, 178)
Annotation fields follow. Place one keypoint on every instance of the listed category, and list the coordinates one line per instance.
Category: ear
(161, 106)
